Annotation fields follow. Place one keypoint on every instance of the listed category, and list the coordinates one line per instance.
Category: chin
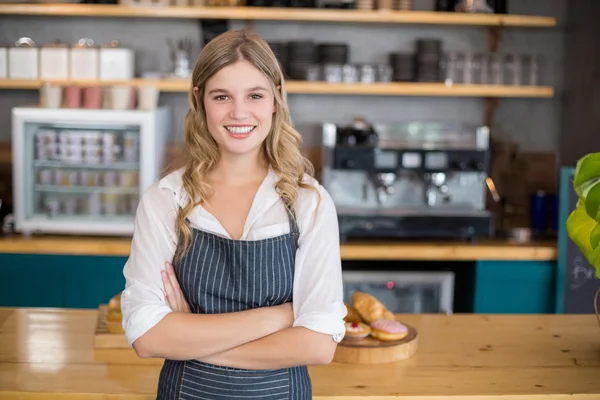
(240, 148)
(241, 152)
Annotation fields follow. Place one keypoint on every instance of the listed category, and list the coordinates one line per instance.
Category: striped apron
(220, 275)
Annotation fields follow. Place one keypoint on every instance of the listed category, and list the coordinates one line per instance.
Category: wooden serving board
(373, 351)
(103, 338)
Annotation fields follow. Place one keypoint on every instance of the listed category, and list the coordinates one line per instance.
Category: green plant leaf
(587, 172)
(583, 222)
(579, 228)
(595, 237)
(592, 199)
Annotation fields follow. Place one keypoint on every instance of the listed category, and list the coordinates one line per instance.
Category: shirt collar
(174, 183)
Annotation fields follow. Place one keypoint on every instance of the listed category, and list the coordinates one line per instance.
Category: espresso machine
(409, 180)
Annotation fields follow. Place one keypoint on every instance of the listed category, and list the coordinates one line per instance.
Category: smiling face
(239, 105)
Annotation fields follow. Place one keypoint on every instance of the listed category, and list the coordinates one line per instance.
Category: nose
(239, 109)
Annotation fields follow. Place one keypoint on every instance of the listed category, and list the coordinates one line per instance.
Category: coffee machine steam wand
(384, 185)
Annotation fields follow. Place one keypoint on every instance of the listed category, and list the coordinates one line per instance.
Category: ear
(195, 91)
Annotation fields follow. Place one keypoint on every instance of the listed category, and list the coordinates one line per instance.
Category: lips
(240, 131)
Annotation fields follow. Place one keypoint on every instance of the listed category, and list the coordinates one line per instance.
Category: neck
(240, 169)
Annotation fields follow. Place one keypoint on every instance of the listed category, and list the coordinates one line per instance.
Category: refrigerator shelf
(62, 164)
(84, 218)
(85, 189)
(79, 127)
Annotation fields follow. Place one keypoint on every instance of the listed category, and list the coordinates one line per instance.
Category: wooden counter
(434, 251)
(49, 354)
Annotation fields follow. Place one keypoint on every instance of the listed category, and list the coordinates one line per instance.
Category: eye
(220, 97)
(256, 96)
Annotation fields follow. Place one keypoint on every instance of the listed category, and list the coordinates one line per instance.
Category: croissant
(115, 302)
(369, 308)
(352, 315)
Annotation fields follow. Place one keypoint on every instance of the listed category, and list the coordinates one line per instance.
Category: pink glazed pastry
(387, 330)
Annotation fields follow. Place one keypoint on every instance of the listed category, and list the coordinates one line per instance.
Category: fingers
(172, 277)
(177, 293)
(173, 293)
(168, 289)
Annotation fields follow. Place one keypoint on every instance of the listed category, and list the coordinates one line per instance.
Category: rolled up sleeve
(318, 288)
(142, 302)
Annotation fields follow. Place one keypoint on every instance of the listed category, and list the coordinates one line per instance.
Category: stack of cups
(130, 147)
(96, 97)
(364, 4)
(70, 147)
(386, 5)
(88, 97)
(119, 98)
(428, 60)
(403, 65)
(51, 96)
(301, 55)
(45, 145)
(109, 147)
(403, 5)
(148, 97)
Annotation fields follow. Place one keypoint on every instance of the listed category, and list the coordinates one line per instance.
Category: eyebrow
(252, 89)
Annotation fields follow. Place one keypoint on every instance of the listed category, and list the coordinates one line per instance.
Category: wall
(582, 83)
(534, 124)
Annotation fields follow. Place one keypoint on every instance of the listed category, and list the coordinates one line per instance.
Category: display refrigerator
(404, 292)
(81, 171)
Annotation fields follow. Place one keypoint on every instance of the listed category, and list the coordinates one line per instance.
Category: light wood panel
(419, 89)
(325, 88)
(165, 85)
(279, 14)
(389, 250)
(451, 251)
(48, 354)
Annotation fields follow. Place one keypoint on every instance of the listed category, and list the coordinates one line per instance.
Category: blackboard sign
(576, 280)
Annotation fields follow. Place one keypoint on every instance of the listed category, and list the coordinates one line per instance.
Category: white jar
(54, 62)
(23, 60)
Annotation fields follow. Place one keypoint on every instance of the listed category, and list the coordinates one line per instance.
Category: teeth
(239, 129)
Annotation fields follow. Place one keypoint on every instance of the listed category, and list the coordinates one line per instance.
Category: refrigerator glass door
(404, 292)
(81, 171)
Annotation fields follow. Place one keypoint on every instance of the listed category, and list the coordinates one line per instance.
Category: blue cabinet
(40, 280)
(515, 287)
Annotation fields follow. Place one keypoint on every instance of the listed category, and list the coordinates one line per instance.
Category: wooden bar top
(498, 249)
(49, 354)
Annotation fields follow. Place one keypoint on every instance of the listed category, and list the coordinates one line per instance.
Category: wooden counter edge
(431, 251)
(11, 395)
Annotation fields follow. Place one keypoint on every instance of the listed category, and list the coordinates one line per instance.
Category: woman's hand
(173, 294)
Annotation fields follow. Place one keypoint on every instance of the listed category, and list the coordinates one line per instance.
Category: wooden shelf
(325, 88)
(418, 89)
(278, 14)
(165, 85)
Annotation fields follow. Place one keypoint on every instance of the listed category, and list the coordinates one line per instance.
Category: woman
(254, 293)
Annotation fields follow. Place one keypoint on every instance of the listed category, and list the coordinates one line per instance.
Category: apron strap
(294, 230)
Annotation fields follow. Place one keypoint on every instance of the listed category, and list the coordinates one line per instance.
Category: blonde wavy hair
(281, 148)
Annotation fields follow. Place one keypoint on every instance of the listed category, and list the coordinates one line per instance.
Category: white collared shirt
(317, 291)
